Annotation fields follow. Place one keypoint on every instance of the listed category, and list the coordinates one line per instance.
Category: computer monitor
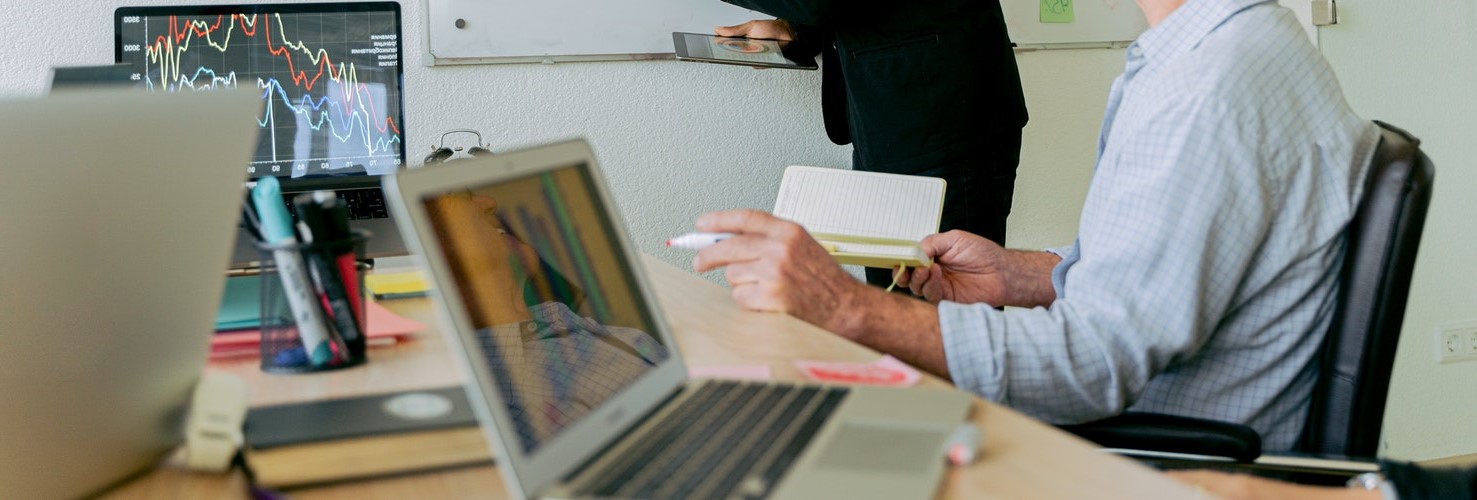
(329, 74)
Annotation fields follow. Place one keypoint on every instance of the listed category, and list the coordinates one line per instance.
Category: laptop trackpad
(880, 447)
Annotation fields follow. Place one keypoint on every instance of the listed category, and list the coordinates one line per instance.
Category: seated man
(1204, 273)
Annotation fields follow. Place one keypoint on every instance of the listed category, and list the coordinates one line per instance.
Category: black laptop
(330, 76)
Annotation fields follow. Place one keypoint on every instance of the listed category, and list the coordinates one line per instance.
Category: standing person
(921, 88)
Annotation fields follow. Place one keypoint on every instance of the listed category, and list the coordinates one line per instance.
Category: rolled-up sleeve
(1167, 234)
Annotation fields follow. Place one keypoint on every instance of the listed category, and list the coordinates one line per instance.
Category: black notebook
(318, 442)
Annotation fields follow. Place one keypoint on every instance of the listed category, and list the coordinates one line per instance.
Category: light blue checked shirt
(1205, 268)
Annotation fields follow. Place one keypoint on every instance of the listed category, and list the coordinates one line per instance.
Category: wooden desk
(1022, 458)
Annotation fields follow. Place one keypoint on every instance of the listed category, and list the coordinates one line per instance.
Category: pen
(319, 343)
(315, 214)
(698, 241)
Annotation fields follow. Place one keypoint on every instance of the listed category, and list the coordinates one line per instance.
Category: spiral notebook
(864, 218)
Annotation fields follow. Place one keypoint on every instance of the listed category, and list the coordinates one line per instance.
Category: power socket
(1456, 342)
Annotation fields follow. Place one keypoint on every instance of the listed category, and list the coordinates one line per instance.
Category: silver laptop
(575, 375)
(115, 240)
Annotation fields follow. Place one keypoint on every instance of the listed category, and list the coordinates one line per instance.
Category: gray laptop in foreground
(115, 241)
(577, 379)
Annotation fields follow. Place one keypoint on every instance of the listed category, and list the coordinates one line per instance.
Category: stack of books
(319, 442)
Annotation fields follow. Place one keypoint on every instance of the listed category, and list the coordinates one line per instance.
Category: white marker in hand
(698, 241)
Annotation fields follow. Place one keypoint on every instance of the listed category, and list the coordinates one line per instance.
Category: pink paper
(886, 371)
(383, 324)
(743, 372)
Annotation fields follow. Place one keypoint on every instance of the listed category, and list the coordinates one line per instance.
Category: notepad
(864, 218)
(403, 284)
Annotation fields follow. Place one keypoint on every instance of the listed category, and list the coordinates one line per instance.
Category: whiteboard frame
(432, 60)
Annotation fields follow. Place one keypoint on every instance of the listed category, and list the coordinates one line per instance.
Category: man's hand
(769, 29)
(966, 269)
(774, 265)
(971, 269)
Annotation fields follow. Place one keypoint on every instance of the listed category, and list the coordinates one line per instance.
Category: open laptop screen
(330, 79)
(556, 310)
(328, 73)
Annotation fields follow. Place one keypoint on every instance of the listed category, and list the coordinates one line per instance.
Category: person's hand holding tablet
(759, 43)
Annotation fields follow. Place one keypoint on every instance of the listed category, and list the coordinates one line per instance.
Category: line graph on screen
(329, 81)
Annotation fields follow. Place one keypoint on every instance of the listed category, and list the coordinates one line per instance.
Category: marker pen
(698, 241)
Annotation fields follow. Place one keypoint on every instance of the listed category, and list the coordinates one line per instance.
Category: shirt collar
(1188, 25)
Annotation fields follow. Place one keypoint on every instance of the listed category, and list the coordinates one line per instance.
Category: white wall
(1411, 64)
(676, 139)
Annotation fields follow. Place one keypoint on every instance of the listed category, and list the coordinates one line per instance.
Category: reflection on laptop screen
(557, 312)
(329, 73)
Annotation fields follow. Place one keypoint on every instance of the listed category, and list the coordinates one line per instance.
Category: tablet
(742, 51)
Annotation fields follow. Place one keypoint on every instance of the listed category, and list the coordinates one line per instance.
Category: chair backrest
(1348, 404)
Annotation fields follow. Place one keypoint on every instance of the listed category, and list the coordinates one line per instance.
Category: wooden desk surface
(1022, 458)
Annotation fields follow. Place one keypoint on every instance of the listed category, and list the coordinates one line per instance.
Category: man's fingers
(735, 30)
(935, 245)
(748, 272)
(919, 278)
(738, 249)
(903, 276)
(763, 296)
(748, 221)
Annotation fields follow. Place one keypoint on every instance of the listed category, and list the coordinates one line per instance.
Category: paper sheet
(385, 327)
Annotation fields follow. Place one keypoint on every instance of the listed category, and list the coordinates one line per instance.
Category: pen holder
(312, 305)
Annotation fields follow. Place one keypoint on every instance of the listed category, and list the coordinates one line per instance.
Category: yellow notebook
(863, 218)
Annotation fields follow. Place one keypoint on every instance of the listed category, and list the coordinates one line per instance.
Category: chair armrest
(1172, 434)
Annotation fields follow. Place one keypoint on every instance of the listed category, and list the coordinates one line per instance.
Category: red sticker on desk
(887, 371)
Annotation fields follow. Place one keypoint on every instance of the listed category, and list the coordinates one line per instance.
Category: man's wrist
(1028, 277)
(848, 316)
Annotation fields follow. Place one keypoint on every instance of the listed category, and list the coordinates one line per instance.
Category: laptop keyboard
(729, 440)
(362, 203)
(365, 203)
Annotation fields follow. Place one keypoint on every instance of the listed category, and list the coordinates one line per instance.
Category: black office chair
(1348, 399)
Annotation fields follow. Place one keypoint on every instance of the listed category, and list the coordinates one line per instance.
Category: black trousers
(980, 187)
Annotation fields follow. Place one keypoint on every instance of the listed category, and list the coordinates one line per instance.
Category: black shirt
(910, 84)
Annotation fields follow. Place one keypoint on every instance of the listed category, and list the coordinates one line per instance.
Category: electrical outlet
(1456, 342)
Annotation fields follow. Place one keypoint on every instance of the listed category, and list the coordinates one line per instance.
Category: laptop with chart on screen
(330, 78)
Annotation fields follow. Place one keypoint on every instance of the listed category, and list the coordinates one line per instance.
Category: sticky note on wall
(1057, 11)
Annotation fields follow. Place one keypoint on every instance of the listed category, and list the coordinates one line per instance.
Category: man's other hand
(970, 269)
(966, 268)
(774, 265)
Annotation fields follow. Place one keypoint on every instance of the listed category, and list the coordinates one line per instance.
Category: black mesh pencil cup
(312, 305)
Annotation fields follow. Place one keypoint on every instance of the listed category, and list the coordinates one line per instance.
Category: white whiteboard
(562, 30)
(498, 31)
(1098, 23)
